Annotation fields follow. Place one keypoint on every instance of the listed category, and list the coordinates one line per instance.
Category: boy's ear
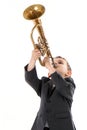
(68, 74)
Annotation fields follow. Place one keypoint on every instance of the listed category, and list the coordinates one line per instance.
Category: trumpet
(34, 12)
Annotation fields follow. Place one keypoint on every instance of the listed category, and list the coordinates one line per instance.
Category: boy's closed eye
(60, 62)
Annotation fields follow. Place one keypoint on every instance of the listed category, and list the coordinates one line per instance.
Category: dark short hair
(68, 65)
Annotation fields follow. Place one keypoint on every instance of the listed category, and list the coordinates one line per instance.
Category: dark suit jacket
(56, 99)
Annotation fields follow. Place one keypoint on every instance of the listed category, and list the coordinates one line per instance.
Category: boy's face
(61, 67)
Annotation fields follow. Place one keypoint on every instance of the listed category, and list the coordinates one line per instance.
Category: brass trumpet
(33, 12)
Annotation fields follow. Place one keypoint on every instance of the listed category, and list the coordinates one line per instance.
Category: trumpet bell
(34, 11)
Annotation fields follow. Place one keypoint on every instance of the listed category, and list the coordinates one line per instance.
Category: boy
(56, 92)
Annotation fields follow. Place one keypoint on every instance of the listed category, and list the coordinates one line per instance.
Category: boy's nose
(56, 64)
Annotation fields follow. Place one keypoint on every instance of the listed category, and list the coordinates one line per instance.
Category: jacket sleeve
(65, 86)
(32, 79)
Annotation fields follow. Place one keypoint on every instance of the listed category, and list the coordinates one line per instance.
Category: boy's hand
(35, 55)
(49, 65)
(46, 62)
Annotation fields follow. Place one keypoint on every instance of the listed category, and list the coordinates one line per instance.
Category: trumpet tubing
(33, 13)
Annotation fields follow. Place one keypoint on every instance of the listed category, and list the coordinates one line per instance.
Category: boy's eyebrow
(61, 60)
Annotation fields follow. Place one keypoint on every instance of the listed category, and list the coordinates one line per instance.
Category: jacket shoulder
(70, 80)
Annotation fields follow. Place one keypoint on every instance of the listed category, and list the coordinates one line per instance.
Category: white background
(65, 27)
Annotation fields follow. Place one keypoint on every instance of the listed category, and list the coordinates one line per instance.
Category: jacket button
(53, 85)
